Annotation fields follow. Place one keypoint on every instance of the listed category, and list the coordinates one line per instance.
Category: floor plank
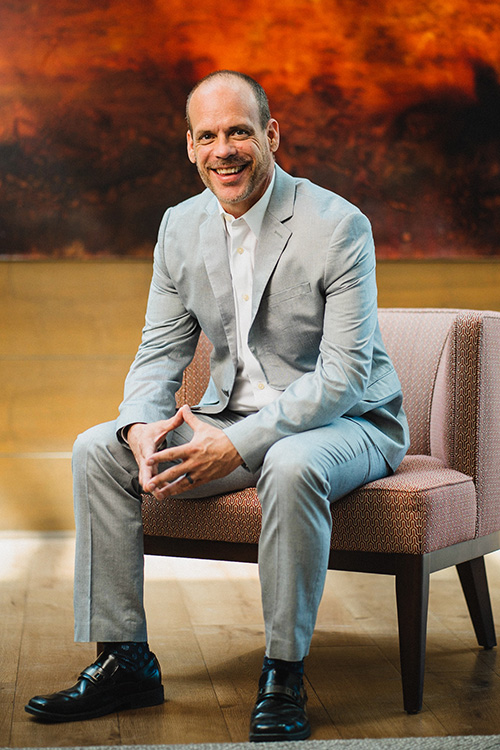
(361, 691)
(14, 563)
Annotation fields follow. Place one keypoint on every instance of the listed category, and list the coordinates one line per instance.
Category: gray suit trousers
(300, 476)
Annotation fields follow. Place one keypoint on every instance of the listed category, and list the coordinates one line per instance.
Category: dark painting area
(396, 108)
(97, 176)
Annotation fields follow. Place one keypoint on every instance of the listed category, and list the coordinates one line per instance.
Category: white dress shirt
(251, 391)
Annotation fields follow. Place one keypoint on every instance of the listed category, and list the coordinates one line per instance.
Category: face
(233, 153)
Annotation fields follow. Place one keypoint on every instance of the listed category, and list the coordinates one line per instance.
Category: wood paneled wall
(68, 334)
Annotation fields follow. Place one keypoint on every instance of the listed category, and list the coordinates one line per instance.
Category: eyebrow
(239, 126)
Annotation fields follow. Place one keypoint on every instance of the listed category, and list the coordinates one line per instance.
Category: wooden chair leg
(474, 582)
(412, 596)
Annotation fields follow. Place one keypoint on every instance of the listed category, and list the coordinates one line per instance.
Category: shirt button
(240, 250)
(246, 297)
(261, 386)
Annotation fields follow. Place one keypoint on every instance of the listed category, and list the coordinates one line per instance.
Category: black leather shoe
(104, 687)
(280, 710)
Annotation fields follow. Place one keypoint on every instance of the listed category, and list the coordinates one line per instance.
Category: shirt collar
(255, 215)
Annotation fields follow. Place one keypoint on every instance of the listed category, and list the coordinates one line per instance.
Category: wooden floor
(206, 628)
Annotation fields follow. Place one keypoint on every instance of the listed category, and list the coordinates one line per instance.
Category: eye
(241, 133)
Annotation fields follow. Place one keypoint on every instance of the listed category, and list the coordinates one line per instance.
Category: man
(303, 402)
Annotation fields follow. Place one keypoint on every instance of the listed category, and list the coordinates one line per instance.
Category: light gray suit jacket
(315, 330)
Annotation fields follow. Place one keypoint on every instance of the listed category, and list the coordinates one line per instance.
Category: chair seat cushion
(424, 506)
(234, 517)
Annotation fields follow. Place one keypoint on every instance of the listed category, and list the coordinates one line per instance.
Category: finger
(164, 427)
(168, 455)
(171, 475)
(184, 483)
(146, 474)
(160, 481)
(189, 418)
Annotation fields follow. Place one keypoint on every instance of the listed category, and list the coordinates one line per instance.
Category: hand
(144, 440)
(209, 455)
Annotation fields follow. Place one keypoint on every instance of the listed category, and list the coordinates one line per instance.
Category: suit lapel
(273, 235)
(214, 248)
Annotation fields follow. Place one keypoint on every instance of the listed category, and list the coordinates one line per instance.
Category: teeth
(228, 170)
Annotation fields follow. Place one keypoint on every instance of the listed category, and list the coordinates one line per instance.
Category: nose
(224, 147)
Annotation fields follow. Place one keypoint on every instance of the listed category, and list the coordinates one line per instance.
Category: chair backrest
(195, 380)
(448, 362)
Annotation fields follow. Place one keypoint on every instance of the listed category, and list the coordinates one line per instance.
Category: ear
(273, 134)
(190, 147)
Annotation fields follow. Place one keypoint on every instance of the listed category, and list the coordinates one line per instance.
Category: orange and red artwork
(394, 104)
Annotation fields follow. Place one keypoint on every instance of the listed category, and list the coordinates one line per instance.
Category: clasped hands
(208, 455)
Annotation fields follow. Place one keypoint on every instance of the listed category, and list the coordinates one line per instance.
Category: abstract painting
(394, 105)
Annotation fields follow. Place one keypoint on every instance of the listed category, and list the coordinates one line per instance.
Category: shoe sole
(138, 700)
(280, 737)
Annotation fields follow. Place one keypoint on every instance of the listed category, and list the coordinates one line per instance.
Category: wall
(68, 334)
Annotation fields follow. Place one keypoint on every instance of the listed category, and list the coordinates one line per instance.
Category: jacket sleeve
(169, 339)
(343, 367)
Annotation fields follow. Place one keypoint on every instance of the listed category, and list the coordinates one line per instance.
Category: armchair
(440, 509)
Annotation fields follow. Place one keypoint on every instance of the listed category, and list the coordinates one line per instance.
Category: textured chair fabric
(446, 491)
(423, 507)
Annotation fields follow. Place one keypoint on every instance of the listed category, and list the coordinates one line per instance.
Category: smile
(229, 170)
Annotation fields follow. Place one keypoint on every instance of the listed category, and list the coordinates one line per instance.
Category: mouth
(228, 171)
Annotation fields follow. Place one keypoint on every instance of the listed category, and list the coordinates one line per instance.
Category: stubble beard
(251, 185)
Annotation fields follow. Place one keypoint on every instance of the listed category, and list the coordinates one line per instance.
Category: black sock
(130, 654)
(297, 667)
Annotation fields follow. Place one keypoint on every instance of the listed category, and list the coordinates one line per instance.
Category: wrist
(128, 430)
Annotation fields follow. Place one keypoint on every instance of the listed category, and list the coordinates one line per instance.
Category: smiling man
(303, 403)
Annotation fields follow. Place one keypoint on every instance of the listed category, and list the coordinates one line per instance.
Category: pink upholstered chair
(442, 506)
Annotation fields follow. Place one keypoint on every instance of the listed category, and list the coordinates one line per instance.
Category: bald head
(233, 76)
